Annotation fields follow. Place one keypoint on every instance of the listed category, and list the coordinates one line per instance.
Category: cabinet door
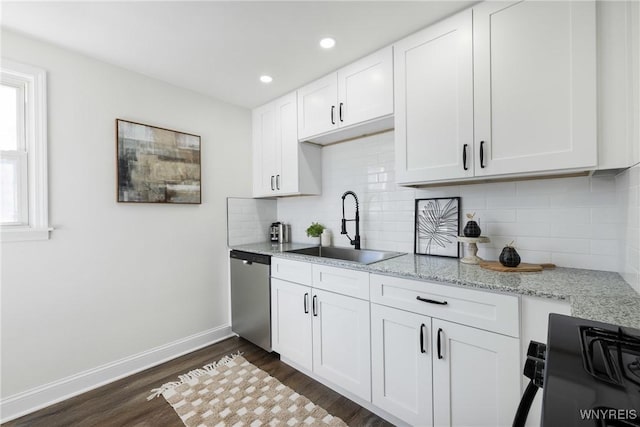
(535, 86)
(365, 88)
(318, 107)
(265, 150)
(401, 364)
(476, 376)
(291, 321)
(342, 342)
(434, 102)
(286, 180)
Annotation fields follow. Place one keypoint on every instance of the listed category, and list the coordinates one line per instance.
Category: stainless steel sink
(361, 256)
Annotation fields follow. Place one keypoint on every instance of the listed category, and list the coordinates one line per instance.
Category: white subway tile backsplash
(554, 244)
(570, 216)
(573, 222)
(605, 231)
(539, 229)
(553, 186)
(526, 216)
(496, 215)
(248, 220)
(605, 215)
(604, 247)
(584, 199)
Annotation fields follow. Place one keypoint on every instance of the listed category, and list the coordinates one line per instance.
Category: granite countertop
(596, 295)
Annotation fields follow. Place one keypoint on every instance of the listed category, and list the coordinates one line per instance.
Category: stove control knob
(534, 370)
(537, 349)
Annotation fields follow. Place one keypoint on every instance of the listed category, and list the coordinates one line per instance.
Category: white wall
(115, 279)
(628, 186)
(572, 222)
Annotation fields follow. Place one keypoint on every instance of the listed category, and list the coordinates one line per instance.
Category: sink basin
(361, 256)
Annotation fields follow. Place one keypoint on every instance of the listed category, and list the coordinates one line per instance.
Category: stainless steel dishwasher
(251, 297)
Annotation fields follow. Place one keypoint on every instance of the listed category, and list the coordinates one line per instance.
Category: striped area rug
(233, 392)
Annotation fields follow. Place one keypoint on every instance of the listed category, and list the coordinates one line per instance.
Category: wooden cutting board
(521, 268)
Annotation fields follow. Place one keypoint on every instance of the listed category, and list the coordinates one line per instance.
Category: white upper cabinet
(353, 98)
(365, 89)
(318, 103)
(265, 157)
(535, 86)
(618, 37)
(281, 165)
(504, 89)
(434, 102)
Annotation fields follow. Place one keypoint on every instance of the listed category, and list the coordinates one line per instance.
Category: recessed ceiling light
(327, 43)
(266, 79)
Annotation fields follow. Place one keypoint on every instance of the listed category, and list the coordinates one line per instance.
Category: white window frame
(35, 141)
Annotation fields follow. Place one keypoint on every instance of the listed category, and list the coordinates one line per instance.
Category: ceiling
(220, 48)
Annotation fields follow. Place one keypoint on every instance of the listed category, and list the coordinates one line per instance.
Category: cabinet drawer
(485, 310)
(342, 281)
(292, 271)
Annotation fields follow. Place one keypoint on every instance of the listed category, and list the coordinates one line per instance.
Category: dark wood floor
(124, 402)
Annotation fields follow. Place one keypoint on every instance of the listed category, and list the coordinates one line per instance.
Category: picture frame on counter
(157, 165)
(437, 227)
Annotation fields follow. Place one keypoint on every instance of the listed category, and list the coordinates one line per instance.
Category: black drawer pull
(439, 344)
(431, 301)
(422, 350)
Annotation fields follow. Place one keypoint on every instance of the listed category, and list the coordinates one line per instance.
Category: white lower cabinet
(291, 321)
(341, 342)
(476, 376)
(401, 364)
(430, 372)
(395, 353)
(324, 332)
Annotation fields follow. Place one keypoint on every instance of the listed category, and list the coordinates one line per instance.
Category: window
(23, 153)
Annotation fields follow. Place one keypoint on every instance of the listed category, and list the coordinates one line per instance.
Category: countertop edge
(599, 307)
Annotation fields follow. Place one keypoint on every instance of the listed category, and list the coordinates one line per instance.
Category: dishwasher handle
(249, 258)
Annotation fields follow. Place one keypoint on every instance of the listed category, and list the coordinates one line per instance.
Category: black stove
(591, 374)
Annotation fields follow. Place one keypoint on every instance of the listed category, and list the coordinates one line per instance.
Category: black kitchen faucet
(356, 240)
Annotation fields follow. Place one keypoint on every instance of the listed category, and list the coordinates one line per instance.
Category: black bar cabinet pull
(333, 109)
(306, 302)
(315, 305)
(439, 344)
(422, 350)
(464, 157)
(272, 183)
(431, 301)
(277, 182)
(340, 112)
(482, 154)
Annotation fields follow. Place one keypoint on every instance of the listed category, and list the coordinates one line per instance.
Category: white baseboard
(40, 397)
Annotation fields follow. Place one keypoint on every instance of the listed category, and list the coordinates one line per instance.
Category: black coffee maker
(274, 231)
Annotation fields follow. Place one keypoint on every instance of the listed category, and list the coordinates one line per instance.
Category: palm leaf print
(437, 225)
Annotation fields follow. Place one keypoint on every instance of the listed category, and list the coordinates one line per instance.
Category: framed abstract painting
(157, 165)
